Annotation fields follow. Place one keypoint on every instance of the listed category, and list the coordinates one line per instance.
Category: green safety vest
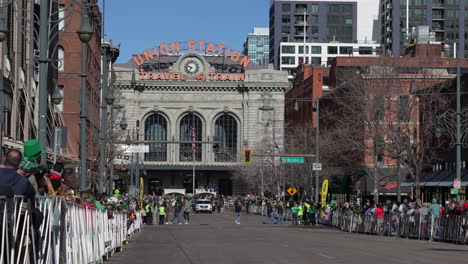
(148, 209)
(300, 213)
(162, 210)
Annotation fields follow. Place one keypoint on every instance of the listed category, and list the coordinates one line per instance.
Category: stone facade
(255, 98)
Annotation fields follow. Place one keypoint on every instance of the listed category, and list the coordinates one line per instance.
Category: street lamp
(3, 29)
(56, 97)
(123, 123)
(85, 33)
(109, 55)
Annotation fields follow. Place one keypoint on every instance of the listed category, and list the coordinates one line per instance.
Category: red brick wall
(71, 80)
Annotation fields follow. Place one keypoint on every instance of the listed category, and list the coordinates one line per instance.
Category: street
(217, 239)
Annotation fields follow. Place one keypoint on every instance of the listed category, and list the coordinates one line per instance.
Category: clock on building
(192, 66)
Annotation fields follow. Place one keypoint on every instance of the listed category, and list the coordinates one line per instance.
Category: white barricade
(67, 233)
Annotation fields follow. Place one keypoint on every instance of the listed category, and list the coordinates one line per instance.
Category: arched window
(226, 135)
(61, 59)
(191, 129)
(156, 129)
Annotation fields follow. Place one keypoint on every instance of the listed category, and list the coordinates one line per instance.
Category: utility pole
(317, 148)
(43, 72)
(459, 115)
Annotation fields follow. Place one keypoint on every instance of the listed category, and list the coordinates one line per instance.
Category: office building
(321, 21)
(445, 18)
(256, 46)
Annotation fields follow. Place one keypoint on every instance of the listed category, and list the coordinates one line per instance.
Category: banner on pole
(324, 192)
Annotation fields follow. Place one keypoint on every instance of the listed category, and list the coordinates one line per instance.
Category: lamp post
(109, 55)
(43, 72)
(85, 34)
(3, 36)
(317, 148)
(456, 127)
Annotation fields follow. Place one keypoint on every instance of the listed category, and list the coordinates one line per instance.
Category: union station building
(203, 91)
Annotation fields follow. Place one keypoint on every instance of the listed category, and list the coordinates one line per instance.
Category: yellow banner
(324, 192)
(141, 191)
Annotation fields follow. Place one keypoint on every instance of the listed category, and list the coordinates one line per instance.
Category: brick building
(366, 97)
(70, 81)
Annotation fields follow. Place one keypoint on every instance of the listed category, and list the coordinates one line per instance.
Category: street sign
(317, 166)
(454, 191)
(292, 160)
(292, 191)
(457, 183)
(137, 149)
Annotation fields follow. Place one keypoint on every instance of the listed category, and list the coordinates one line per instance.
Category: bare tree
(382, 113)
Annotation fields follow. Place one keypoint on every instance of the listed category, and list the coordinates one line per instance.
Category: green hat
(116, 193)
(32, 149)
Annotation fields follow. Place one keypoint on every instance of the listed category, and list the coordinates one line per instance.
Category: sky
(141, 24)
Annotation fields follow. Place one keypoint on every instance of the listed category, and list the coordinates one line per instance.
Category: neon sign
(192, 45)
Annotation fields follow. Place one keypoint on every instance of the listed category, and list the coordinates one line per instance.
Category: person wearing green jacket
(434, 209)
(162, 213)
(149, 214)
(294, 211)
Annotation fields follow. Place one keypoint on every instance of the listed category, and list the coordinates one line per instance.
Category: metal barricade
(452, 228)
(49, 230)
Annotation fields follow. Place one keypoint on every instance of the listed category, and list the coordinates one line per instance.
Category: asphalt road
(217, 239)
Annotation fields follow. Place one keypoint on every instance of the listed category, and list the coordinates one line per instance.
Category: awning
(436, 180)
(439, 179)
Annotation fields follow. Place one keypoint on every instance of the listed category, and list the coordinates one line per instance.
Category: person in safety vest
(306, 217)
(162, 214)
(294, 211)
(149, 213)
(300, 213)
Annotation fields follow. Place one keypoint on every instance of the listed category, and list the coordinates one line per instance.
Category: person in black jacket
(11, 182)
(238, 210)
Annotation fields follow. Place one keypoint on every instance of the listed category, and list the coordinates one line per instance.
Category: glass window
(316, 50)
(333, 19)
(404, 108)
(60, 106)
(452, 13)
(313, 19)
(286, 7)
(365, 50)
(61, 59)
(288, 49)
(286, 29)
(226, 135)
(288, 60)
(301, 8)
(349, 20)
(314, 8)
(156, 129)
(314, 29)
(285, 39)
(346, 50)
(190, 128)
(332, 50)
(301, 50)
(61, 16)
(286, 19)
(316, 61)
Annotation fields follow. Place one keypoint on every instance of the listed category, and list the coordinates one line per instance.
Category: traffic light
(247, 156)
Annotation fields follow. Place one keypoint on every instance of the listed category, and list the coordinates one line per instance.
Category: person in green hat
(32, 150)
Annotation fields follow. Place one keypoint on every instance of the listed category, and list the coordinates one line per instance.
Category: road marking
(326, 256)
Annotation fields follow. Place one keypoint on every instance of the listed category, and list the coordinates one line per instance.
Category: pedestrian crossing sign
(292, 191)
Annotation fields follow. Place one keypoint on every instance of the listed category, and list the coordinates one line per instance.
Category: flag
(193, 139)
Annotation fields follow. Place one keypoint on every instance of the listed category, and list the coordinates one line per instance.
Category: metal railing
(50, 230)
(452, 228)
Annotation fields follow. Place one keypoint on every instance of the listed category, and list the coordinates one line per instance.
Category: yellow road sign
(292, 191)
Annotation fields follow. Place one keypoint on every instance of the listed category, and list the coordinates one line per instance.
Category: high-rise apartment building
(318, 21)
(256, 46)
(447, 21)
